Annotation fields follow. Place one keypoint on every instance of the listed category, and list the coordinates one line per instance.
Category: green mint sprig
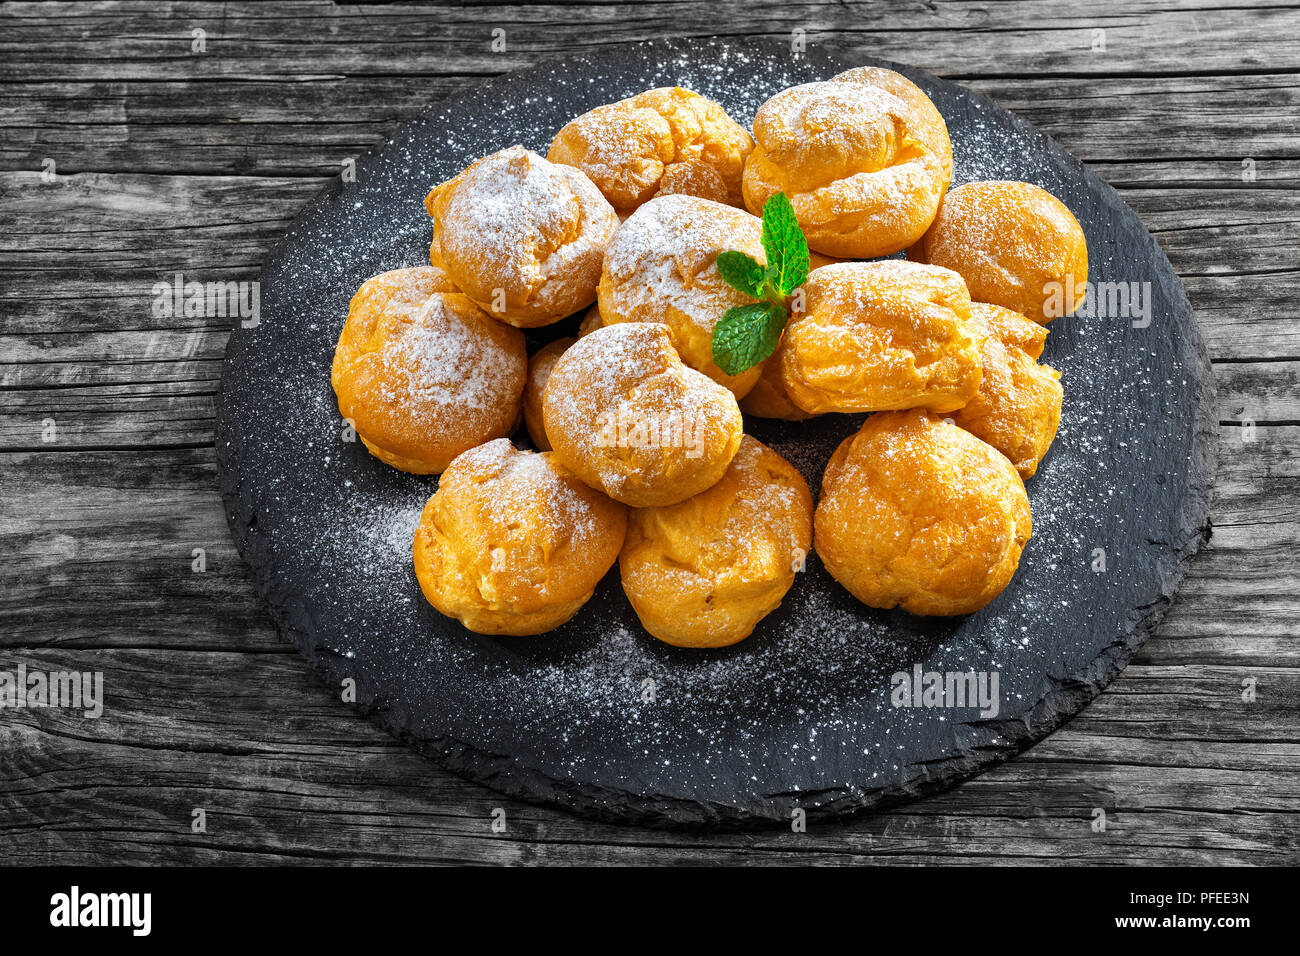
(747, 334)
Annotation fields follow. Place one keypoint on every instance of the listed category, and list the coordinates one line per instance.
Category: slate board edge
(498, 771)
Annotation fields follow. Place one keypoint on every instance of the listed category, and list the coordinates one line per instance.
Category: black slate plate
(799, 715)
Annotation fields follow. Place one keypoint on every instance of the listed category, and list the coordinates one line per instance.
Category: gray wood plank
(310, 40)
(277, 762)
(270, 128)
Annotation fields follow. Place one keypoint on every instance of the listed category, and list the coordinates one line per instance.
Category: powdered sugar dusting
(516, 222)
(662, 141)
(526, 485)
(440, 367)
(503, 206)
(831, 119)
(663, 256)
(628, 372)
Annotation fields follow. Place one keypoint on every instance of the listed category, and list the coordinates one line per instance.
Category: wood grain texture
(172, 161)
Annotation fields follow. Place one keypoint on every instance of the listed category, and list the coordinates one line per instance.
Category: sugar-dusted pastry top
(704, 572)
(927, 122)
(918, 513)
(628, 417)
(1014, 243)
(660, 267)
(521, 236)
(659, 142)
(876, 336)
(863, 167)
(512, 542)
(423, 373)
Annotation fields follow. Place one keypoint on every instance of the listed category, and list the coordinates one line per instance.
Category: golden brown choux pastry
(624, 413)
(423, 373)
(657, 143)
(816, 260)
(513, 542)
(522, 237)
(704, 572)
(864, 168)
(591, 321)
(884, 335)
(768, 397)
(661, 268)
(920, 514)
(1015, 244)
(931, 129)
(539, 370)
(1018, 406)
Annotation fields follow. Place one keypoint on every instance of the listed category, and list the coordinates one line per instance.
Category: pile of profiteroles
(641, 455)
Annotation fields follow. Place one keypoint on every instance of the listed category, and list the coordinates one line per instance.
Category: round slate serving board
(800, 714)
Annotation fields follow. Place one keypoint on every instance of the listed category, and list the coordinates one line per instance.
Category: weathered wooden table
(145, 139)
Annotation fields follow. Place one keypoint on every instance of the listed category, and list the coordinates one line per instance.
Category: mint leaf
(742, 273)
(747, 334)
(785, 246)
